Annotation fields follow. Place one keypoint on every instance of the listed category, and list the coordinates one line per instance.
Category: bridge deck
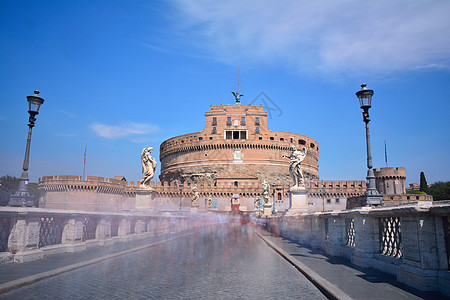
(226, 261)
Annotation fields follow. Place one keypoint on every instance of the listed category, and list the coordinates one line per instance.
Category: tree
(10, 184)
(423, 183)
(440, 190)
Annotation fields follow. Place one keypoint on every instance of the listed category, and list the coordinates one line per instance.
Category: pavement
(335, 277)
(339, 279)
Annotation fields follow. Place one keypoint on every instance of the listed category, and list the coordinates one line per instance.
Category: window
(214, 122)
(214, 130)
(210, 138)
(200, 138)
(257, 130)
(236, 184)
(279, 196)
(312, 145)
(271, 138)
(281, 139)
(235, 134)
(301, 142)
(292, 140)
(338, 200)
(328, 200)
(257, 121)
(228, 120)
(242, 121)
(260, 138)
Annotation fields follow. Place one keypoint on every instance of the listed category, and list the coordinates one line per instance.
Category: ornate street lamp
(273, 195)
(181, 191)
(371, 196)
(22, 197)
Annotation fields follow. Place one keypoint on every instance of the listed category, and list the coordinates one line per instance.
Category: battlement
(390, 172)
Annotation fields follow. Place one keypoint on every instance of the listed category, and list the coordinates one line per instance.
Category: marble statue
(195, 195)
(295, 168)
(266, 192)
(148, 166)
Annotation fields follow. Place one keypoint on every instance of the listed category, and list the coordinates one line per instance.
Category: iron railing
(50, 230)
(390, 236)
(350, 232)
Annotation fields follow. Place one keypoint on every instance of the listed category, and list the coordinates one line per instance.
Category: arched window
(279, 196)
(236, 184)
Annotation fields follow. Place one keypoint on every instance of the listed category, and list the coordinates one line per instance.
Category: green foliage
(423, 183)
(416, 192)
(10, 184)
(440, 190)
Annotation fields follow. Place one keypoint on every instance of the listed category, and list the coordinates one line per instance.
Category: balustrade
(29, 233)
(411, 242)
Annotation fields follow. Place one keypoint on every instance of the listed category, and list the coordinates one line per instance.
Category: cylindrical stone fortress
(235, 141)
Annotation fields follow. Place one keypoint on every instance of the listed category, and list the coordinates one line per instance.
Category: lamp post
(181, 190)
(371, 196)
(273, 195)
(22, 197)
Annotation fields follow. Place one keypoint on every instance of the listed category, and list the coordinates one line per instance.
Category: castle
(229, 158)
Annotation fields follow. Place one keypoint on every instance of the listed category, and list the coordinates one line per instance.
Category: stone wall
(101, 194)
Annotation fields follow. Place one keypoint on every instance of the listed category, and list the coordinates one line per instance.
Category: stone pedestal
(298, 200)
(267, 209)
(144, 198)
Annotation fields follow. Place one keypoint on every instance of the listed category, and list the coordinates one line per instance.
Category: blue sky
(123, 75)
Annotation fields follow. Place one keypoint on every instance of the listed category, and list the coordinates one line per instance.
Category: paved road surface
(224, 262)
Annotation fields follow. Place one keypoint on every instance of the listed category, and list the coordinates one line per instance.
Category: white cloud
(116, 131)
(323, 36)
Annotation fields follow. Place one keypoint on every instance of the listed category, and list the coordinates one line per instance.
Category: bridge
(367, 253)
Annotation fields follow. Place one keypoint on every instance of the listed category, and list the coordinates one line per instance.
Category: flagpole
(385, 153)
(84, 165)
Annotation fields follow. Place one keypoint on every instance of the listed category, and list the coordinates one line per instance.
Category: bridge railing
(411, 242)
(31, 233)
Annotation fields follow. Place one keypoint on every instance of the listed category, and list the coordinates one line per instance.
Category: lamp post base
(21, 199)
(372, 200)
